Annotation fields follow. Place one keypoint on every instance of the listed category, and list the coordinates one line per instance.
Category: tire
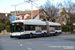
(19, 38)
(44, 35)
(56, 34)
(31, 35)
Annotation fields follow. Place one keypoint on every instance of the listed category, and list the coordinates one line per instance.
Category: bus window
(43, 27)
(16, 28)
(29, 27)
(57, 28)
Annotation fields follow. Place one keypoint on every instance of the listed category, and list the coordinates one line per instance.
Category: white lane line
(29, 48)
(21, 45)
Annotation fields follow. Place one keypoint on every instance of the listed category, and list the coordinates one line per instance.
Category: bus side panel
(27, 33)
(44, 31)
(52, 33)
(58, 31)
(52, 30)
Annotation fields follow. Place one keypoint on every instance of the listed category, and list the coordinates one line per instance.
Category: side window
(29, 27)
(32, 27)
(26, 27)
(43, 27)
(57, 27)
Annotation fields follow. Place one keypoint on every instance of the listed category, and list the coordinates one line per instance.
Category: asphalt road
(61, 42)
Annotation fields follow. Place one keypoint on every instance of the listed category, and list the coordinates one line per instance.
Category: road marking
(21, 45)
(29, 48)
(18, 42)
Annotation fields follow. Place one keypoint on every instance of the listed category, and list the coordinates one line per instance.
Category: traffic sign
(12, 17)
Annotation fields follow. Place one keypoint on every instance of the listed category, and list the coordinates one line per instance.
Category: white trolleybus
(33, 28)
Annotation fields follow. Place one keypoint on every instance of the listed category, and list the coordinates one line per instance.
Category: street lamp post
(30, 1)
(15, 10)
(31, 11)
(38, 13)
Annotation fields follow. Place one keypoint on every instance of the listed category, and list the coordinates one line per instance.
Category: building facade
(37, 16)
(5, 16)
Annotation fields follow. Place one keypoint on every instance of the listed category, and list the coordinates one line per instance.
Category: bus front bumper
(20, 36)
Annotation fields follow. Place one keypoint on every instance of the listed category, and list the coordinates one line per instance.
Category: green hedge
(8, 28)
(66, 28)
(1, 26)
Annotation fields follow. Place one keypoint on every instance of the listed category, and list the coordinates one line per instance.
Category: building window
(22, 17)
(18, 18)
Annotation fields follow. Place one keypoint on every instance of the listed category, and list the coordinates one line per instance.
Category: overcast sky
(7, 5)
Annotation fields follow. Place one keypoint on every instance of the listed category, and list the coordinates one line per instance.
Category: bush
(8, 28)
(66, 28)
(8, 22)
(1, 26)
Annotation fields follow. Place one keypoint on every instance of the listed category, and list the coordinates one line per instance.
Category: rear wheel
(56, 34)
(44, 34)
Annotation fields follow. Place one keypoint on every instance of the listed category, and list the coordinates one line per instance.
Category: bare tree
(51, 10)
(68, 5)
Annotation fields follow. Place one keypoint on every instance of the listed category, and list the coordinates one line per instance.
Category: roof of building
(2, 15)
(35, 12)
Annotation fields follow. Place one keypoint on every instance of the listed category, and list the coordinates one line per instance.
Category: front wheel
(31, 35)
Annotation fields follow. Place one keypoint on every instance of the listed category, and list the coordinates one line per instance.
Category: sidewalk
(66, 33)
(6, 34)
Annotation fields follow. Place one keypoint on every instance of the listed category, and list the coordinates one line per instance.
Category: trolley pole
(15, 11)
